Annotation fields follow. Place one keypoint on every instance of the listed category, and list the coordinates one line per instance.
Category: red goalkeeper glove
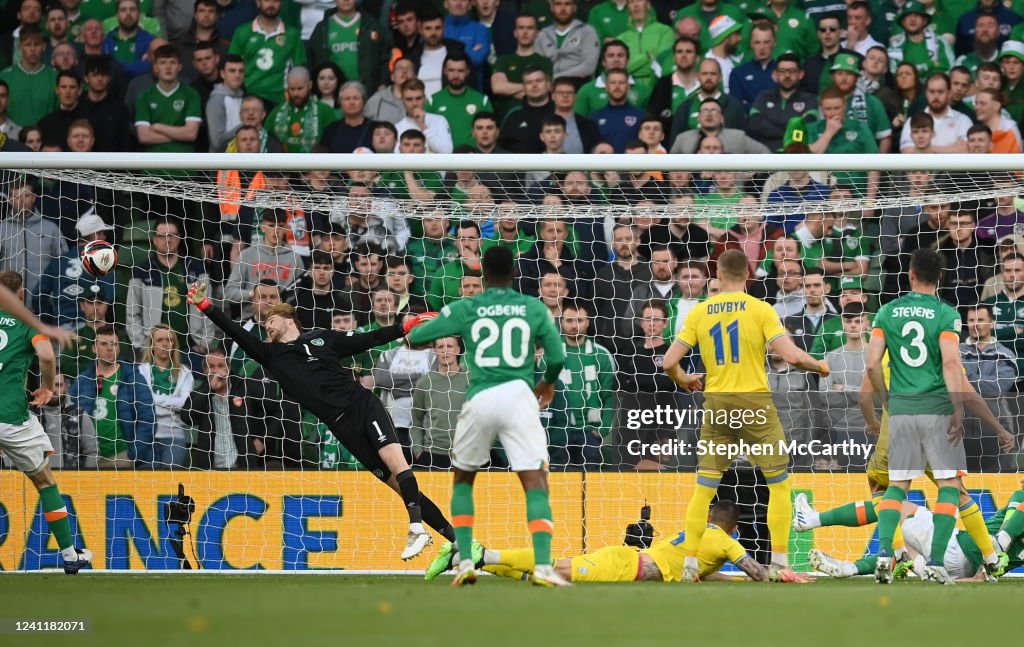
(197, 296)
(416, 320)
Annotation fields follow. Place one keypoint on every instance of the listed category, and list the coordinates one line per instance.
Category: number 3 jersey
(732, 330)
(912, 327)
(501, 329)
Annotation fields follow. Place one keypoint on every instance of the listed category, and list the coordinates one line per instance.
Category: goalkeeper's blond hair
(287, 311)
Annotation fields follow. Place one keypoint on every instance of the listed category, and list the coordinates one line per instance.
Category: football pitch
(295, 610)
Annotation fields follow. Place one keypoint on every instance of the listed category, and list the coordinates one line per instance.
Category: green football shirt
(1015, 551)
(268, 57)
(343, 44)
(109, 437)
(300, 129)
(175, 108)
(16, 355)
(912, 326)
(501, 329)
(513, 65)
(32, 95)
(459, 110)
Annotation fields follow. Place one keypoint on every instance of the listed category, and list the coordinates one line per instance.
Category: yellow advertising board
(348, 520)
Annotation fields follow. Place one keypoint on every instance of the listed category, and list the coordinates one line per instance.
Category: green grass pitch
(294, 610)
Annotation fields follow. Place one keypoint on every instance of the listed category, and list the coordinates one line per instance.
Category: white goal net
(618, 248)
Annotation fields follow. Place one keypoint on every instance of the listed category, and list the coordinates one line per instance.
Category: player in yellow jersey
(662, 562)
(862, 513)
(734, 332)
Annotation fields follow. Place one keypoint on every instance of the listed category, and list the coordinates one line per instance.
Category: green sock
(866, 565)
(889, 512)
(462, 518)
(1013, 523)
(852, 515)
(538, 516)
(56, 515)
(944, 519)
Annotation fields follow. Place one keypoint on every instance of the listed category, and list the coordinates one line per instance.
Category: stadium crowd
(490, 77)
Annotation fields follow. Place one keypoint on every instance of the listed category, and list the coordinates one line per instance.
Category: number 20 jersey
(732, 330)
(912, 327)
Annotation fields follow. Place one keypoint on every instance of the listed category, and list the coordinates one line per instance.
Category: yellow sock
(780, 513)
(974, 523)
(897, 538)
(697, 511)
(506, 571)
(520, 559)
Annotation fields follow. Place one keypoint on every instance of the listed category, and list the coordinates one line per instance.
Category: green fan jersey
(175, 108)
(299, 129)
(593, 96)
(585, 386)
(501, 329)
(109, 436)
(912, 327)
(32, 95)
(343, 44)
(268, 57)
(16, 355)
(513, 65)
(459, 110)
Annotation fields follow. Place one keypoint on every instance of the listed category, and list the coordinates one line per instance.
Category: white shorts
(918, 531)
(919, 441)
(509, 413)
(26, 446)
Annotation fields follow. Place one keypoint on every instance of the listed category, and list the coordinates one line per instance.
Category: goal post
(619, 248)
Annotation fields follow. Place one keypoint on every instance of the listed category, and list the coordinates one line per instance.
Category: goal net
(618, 252)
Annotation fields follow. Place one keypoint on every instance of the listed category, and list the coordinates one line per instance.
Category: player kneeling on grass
(662, 562)
(22, 439)
(308, 368)
(963, 557)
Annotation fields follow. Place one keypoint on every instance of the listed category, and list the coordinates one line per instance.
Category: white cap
(90, 223)
(1013, 48)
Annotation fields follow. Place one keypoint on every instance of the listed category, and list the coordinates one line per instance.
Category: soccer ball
(99, 258)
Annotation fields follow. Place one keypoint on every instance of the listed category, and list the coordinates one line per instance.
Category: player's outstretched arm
(12, 305)
(789, 352)
(978, 406)
(253, 347)
(428, 329)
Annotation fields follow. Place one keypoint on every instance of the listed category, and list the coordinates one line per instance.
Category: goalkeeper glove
(416, 320)
(197, 296)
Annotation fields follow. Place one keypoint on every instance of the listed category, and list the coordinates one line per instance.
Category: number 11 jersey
(732, 330)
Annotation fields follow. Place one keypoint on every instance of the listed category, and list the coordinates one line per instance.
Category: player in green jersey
(501, 329)
(22, 439)
(925, 403)
(961, 552)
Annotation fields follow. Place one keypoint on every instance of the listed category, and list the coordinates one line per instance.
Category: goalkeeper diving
(307, 366)
(661, 562)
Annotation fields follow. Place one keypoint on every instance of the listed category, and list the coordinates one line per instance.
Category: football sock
(57, 517)
(889, 511)
(505, 571)
(697, 511)
(520, 559)
(944, 519)
(538, 517)
(780, 514)
(1013, 522)
(434, 518)
(866, 565)
(897, 537)
(974, 523)
(410, 490)
(852, 515)
(462, 517)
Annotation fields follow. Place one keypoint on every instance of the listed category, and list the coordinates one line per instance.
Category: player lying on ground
(22, 439)
(962, 555)
(501, 329)
(307, 366)
(862, 513)
(925, 403)
(734, 332)
(662, 562)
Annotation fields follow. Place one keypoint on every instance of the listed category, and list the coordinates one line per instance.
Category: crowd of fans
(489, 77)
